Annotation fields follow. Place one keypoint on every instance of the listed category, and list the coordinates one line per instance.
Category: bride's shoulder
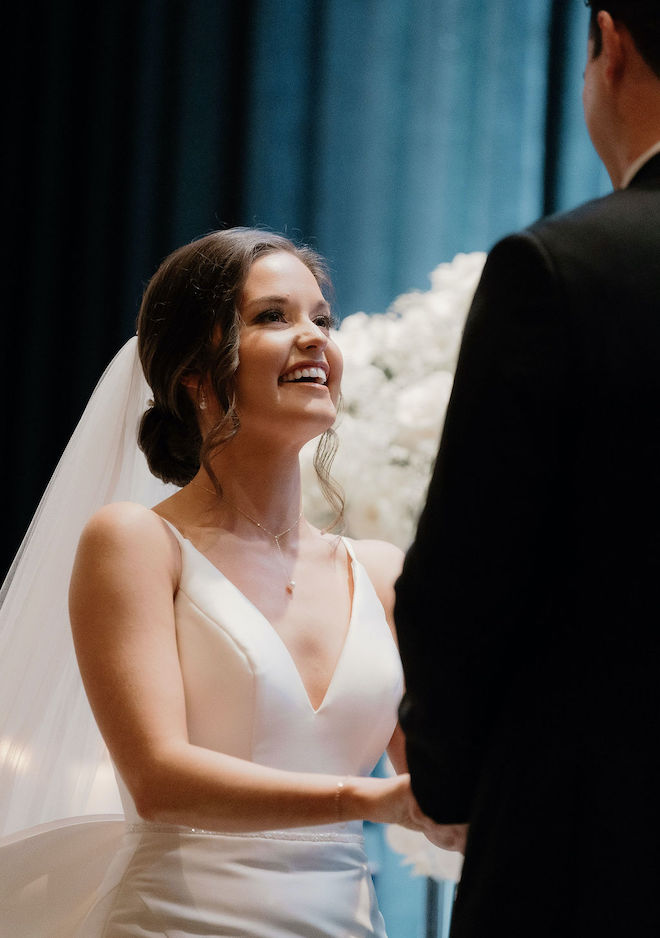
(129, 529)
(382, 561)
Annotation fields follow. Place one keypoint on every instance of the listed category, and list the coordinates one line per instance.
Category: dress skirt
(176, 883)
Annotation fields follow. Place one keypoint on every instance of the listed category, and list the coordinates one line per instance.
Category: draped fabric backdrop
(390, 134)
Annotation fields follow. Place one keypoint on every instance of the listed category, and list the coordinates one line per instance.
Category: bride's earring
(202, 399)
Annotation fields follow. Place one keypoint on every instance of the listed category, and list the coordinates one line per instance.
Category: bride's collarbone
(260, 570)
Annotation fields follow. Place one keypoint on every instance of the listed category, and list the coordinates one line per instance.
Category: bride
(239, 662)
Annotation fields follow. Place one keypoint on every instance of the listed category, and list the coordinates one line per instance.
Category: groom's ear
(615, 43)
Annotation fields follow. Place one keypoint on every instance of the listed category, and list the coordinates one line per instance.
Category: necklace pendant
(291, 585)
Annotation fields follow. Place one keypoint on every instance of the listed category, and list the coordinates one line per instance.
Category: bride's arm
(121, 602)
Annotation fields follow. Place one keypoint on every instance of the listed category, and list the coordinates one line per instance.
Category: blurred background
(389, 134)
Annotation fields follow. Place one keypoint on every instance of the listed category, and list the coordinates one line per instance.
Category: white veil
(53, 762)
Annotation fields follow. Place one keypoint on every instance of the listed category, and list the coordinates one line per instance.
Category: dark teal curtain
(391, 134)
(413, 130)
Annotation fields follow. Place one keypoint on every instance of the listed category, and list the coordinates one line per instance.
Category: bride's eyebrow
(257, 301)
(275, 300)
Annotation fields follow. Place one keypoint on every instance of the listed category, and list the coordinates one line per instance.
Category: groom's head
(621, 93)
(642, 20)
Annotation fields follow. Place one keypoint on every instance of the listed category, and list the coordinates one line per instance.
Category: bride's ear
(192, 382)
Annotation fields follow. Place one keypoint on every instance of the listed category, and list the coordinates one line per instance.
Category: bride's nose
(311, 336)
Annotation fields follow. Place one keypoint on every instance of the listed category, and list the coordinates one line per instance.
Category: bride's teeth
(314, 373)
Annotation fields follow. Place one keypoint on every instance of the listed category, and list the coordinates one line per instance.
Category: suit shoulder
(606, 217)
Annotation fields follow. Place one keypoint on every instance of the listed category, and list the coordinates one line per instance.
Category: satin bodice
(245, 697)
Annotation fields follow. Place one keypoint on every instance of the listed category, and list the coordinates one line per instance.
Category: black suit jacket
(528, 610)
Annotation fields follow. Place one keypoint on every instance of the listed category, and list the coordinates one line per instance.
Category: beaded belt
(147, 827)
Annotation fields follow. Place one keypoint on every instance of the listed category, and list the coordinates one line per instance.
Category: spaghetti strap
(175, 531)
(350, 550)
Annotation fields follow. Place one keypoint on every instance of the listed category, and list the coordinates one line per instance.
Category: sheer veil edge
(53, 762)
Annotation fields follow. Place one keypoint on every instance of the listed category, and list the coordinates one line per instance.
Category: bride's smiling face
(289, 370)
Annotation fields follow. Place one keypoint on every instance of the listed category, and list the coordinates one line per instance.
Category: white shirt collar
(637, 164)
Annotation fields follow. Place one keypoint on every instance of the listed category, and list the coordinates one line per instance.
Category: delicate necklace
(290, 584)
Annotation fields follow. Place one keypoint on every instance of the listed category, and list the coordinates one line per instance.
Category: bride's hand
(391, 801)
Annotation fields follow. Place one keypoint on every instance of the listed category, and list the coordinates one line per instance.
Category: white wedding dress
(244, 696)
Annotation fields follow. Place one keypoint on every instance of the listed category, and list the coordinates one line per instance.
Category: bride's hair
(189, 324)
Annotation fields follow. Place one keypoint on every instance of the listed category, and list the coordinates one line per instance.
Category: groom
(528, 609)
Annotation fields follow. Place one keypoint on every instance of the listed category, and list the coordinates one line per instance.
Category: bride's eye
(325, 321)
(270, 315)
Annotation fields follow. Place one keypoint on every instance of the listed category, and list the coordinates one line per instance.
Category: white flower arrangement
(420, 854)
(398, 372)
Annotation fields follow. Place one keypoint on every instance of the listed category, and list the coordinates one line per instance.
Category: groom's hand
(447, 836)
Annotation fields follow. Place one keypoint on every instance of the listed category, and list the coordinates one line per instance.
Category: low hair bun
(170, 444)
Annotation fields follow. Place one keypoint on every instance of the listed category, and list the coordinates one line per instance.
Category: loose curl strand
(330, 488)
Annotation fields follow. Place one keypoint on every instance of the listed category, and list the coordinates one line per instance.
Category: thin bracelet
(338, 793)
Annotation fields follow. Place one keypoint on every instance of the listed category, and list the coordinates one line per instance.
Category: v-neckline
(354, 575)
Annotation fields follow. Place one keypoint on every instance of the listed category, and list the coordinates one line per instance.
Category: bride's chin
(314, 430)
(292, 431)
(322, 414)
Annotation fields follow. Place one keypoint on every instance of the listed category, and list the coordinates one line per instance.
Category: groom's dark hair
(642, 20)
